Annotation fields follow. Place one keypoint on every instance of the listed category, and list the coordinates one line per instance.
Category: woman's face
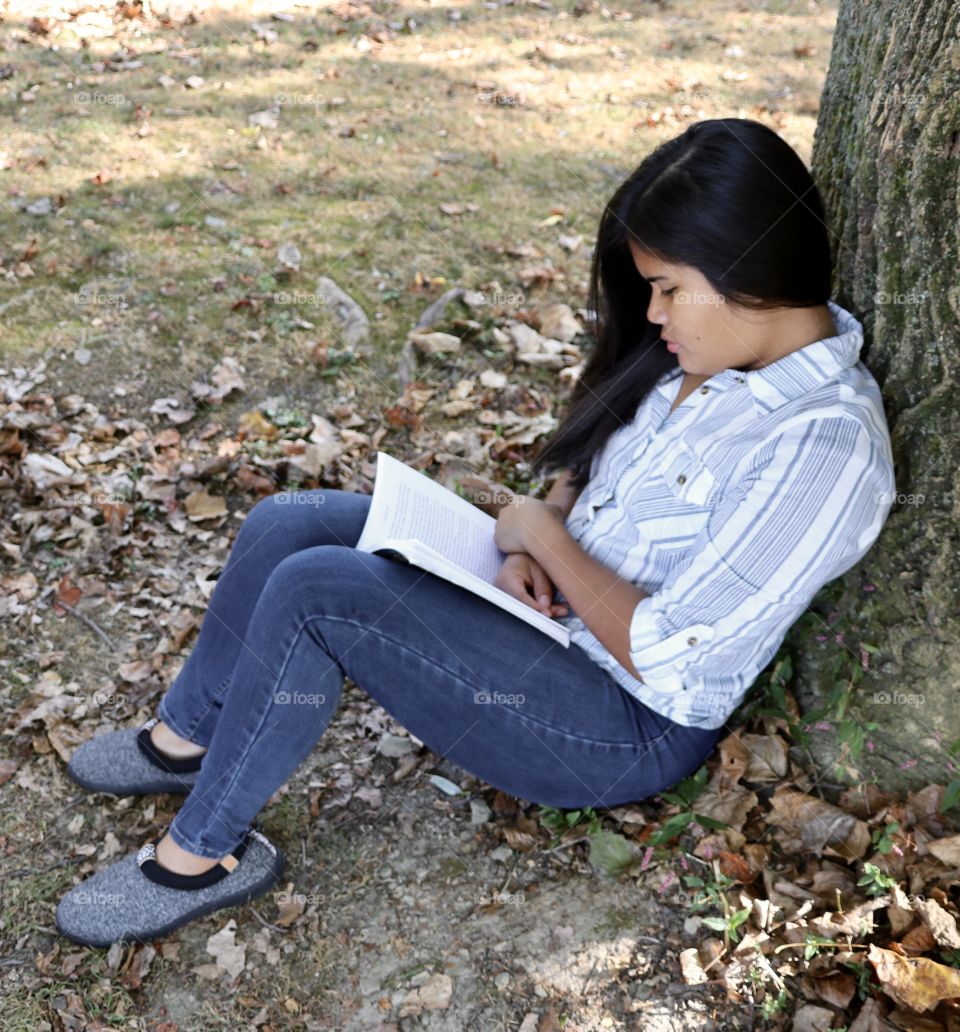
(710, 333)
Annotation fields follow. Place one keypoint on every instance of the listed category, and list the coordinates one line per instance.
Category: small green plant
(561, 821)
(865, 985)
(813, 943)
(684, 795)
(875, 880)
(774, 1004)
(882, 837)
(951, 957)
(711, 893)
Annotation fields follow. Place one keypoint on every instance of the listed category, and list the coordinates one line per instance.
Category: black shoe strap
(147, 861)
(167, 763)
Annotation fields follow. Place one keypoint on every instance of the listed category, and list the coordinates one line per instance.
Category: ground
(176, 181)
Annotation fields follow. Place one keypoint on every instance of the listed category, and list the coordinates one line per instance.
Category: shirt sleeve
(812, 504)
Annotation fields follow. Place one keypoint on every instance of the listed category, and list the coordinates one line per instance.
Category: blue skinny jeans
(297, 607)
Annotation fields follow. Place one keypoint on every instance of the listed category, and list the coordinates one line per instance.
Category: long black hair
(727, 196)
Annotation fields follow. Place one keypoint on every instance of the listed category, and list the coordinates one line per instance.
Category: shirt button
(739, 379)
(691, 641)
(704, 390)
(681, 479)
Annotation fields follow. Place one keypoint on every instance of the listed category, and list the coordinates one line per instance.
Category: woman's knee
(324, 572)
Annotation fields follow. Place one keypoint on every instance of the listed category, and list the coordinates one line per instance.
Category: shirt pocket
(689, 480)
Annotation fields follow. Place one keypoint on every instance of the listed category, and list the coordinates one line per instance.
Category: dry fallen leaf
(813, 825)
(914, 982)
(203, 506)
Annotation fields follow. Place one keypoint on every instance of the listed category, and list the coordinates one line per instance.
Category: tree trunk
(886, 157)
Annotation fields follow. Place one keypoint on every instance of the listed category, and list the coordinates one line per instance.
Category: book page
(408, 504)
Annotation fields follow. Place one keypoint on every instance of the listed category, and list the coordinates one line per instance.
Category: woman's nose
(655, 312)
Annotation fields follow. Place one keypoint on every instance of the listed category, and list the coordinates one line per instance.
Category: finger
(542, 588)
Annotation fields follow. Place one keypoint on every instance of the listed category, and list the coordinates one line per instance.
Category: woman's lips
(672, 346)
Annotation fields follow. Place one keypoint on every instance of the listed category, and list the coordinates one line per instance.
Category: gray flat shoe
(126, 762)
(137, 900)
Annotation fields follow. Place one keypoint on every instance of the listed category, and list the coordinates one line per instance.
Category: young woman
(723, 456)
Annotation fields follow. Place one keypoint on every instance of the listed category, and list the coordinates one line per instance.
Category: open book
(417, 520)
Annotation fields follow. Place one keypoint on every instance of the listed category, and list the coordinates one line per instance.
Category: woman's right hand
(524, 578)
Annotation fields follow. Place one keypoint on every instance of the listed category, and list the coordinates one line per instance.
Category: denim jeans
(297, 607)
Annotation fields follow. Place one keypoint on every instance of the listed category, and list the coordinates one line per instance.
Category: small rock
(434, 994)
(42, 206)
(194, 82)
(480, 813)
(493, 379)
(394, 746)
(268, 119)
(445, 784)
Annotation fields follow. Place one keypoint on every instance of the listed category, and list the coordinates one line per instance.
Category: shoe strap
(147, 862)
(183, 766)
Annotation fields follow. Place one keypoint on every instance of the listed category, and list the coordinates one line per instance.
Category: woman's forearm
(562, 493)
(604, 601)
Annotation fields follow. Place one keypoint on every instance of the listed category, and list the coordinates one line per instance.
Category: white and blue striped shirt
(732, 512)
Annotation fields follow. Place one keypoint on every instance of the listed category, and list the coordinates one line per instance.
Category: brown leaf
(816, 826)
(68, 592)
(136, 671)
(734, 757)
(914, 982)
(734, 866)
(917, 941)
(290, 906)
(520, 840)
(946, 850)
(7, 769)
(203, 506)
(942, 925)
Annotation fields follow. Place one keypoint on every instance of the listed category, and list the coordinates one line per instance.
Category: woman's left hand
(521, 519)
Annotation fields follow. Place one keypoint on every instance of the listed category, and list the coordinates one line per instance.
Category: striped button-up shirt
(731, 512)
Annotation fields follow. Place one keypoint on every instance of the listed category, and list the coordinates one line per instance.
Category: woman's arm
(603, 600)
(562, 493)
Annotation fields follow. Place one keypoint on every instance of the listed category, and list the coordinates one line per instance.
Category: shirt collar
(805, 369)
(798, 372)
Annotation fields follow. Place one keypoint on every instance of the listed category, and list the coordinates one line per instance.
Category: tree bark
(886, 157)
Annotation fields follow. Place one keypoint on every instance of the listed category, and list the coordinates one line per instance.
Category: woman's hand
(521, 519)
(524, 578)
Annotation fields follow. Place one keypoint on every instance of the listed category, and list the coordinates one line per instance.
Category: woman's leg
(276, 527)
(497, 697)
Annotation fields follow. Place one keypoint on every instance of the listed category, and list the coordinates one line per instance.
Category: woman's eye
(667, 293)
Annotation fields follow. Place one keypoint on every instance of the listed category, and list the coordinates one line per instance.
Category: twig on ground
(83, 618)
